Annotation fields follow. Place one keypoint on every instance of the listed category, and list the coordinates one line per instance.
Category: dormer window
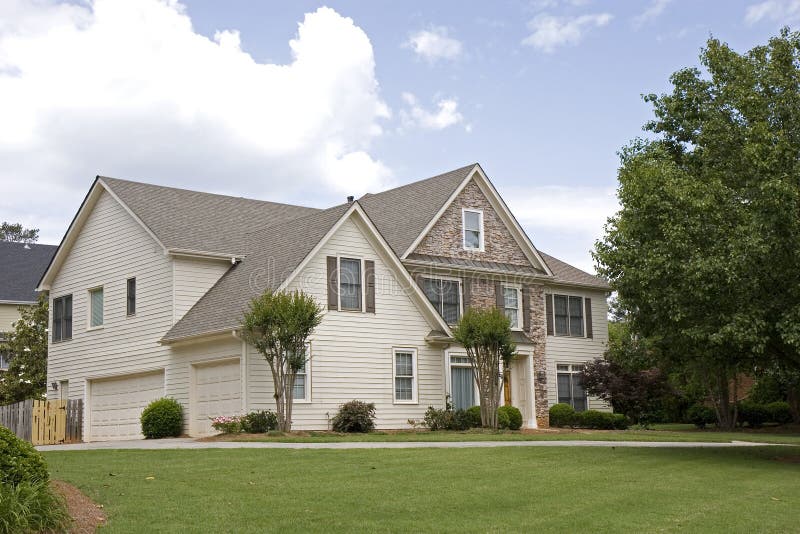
(472, 223)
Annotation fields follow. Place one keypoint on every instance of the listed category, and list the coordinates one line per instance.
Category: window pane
(67, 322)
(451, 301)
(96, 303)
(578, 394)
(404, 364)
(561, 317)
(513, 317)
(463, 388)
(433, 290)
(472, 221)
(131, 296)
(403, 388)
(511, 297)
(576, 316)
(58, 318)
(299, 390)
(350, 284)
(472, 239)
(459, 360)
(564, 389)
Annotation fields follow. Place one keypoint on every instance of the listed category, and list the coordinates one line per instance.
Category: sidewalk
(190, 443)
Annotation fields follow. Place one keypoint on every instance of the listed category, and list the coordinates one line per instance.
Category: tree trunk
(793, 398)
(726, 413)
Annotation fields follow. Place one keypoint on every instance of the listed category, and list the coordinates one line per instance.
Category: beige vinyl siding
(192, 278)
(563, 349)
(9, 314)
(352, 351)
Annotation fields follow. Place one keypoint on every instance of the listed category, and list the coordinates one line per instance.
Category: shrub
(259, 422)
(779, 412)
(31, 506)
(562, 415)
(509, 417)
(163, 418)
(474, 414)
(700, 415)
(19, 461)
(227, 424)
(355, 416)
(755, 415)
(620, 421)
(596, 420)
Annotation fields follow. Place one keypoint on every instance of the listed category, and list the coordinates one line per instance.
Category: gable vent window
(131, 298)
(62, 318)
(96, 307)
(472, 222)
(445, 295)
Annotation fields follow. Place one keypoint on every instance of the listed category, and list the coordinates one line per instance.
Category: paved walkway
(189, 443)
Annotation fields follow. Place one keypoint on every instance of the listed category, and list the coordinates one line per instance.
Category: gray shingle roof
(564, 272)
(20, 269)
(192, 220)
(273, 254)
(401, 214)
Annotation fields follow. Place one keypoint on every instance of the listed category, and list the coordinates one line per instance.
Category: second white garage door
(115, 404)
(217, 390)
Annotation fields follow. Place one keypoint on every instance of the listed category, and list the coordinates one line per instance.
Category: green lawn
(668, 433)
(442, 490)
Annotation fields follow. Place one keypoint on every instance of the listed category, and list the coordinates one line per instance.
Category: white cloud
(781, 11)
(550, 31)
(653, 11)
(434, 44)
(127, 88)
(445, 115)
(564, 221)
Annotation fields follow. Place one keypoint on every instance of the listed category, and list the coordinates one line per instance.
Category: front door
(521, 390)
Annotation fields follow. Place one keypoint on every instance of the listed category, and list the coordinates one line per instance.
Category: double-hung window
(472, 223)
(405, 379)
(445, 295)
(96, 307)
(568, 312)
(131, 296)
(512, 305)
(62, 318)
(350, 284)
(5, 360)
(302, 383)
(570, 388)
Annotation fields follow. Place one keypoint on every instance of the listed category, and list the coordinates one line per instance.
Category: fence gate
(45, 422)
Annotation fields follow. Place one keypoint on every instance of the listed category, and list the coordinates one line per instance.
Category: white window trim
(460, 292)
(52, 314)
(414, 379)
(89, 326)
(459, 353)
(583, 314)
(339, 259)
(464, 211)
(571, 372)
(520, 320)
(307, 398)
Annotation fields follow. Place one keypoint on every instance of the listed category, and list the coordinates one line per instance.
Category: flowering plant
(227, 424)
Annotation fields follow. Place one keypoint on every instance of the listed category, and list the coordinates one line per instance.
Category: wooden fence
(45, 422)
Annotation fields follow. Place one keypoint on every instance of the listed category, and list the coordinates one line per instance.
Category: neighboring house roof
(191, 220)
(401, 214)
(21, 266)
(564, 272)
(272, 255)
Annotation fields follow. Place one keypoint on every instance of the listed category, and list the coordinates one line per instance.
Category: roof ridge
(418, 182)
(184, 190)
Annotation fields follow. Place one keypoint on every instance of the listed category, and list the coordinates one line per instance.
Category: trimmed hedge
(562, 415)
(19, 461)
(779, 412)
(259, 422)
(509, 417)
(700, 416)
(163, 418)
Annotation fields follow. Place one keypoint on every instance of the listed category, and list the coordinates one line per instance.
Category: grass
(442, 490)
(660, 433)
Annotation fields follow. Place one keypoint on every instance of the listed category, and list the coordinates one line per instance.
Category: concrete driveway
(190, 443)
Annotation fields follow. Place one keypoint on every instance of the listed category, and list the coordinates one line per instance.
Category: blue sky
(211, 95)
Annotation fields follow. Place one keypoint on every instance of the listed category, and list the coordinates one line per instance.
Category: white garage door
(117, 403)
(217, 390)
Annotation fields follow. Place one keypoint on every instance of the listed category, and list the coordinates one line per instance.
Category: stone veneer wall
(445, 238)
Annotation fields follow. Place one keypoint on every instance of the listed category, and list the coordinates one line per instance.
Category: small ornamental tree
(486, 336)
(278, 325)
(26, 377)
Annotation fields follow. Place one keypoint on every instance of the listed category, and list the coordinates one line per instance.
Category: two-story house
(21, 267)
(150, 283)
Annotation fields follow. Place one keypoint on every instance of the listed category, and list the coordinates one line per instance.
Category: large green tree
(705, 249)
(278, 325)
(26, 377)
(17, 233)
